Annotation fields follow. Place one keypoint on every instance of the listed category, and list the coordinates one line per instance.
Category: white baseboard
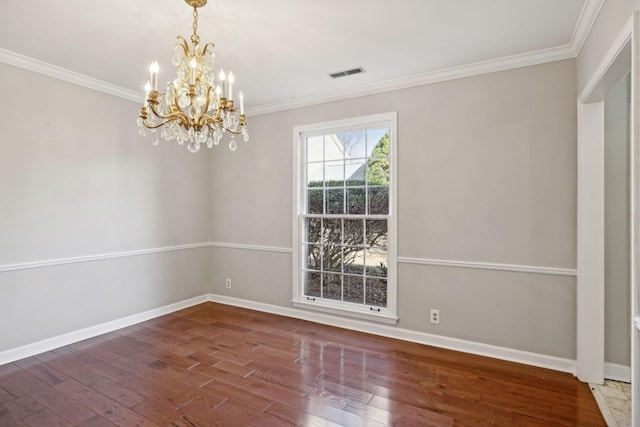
(616, 372)
(49, 344)
(496, 352)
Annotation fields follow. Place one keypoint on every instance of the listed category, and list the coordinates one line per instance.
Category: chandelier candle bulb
(193, 64)
(230, 86)
(241, 96)
(153, 69)
(222, 78)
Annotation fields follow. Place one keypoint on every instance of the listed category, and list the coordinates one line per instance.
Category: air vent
(347, 73)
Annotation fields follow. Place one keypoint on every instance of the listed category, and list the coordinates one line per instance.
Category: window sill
(374, 317)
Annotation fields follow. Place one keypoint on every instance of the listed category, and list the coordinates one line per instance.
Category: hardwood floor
(218, 365)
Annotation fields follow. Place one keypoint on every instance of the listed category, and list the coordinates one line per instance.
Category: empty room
(349, 213)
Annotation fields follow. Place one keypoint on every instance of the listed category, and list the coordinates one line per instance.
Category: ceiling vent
(347, 73)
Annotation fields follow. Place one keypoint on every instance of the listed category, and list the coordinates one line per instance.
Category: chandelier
(196, 108)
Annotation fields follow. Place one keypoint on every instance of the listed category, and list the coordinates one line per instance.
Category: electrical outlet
(434, 316)
(228, 283)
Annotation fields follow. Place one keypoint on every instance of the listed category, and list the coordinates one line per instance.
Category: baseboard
(496, 352)
(616, 372)
(49, 344)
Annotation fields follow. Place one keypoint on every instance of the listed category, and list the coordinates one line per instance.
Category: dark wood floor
(218, 365)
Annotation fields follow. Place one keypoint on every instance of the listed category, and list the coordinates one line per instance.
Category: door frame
(621, 57)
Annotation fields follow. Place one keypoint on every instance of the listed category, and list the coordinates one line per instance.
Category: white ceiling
(281, 51)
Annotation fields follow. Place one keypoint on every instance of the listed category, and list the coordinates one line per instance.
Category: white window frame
(386, 314)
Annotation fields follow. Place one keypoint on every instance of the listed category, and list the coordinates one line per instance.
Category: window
(344, 239)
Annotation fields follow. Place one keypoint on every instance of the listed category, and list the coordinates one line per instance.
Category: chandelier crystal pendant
(196, 108)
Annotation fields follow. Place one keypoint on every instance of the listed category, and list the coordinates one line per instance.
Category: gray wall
(486, 172)
(76, 180)
(617, 122)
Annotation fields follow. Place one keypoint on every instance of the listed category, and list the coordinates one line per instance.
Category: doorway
(615, 65)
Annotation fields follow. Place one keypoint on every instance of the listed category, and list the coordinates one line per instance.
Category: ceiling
(282, 51)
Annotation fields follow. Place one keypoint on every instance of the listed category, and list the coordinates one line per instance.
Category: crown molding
(581, 31)
(31, 64)
(453, 73)
(585, 23)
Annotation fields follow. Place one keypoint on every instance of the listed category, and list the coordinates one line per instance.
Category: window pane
(315, 174)
(356, 201)
(354, 172)
(353, 260)
(334, 174)
(376, 232)
(313, 257)
(335, 201)
(377, 142)
(378, 200)
(315, 201)
(378, 171)
(376, 262)
(376, 292)
(332, 286)
(314, 229)
(314, 148)
(352, 143)
(332, 258)
(354, 232)
(312, 283)
(333, 148)
(332, 231)
(353, 289)
(378, 162)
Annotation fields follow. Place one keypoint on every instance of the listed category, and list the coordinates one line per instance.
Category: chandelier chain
(194, 38)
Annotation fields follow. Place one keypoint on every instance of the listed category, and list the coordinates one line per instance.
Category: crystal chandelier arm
(182, 42)
(149, 126)
(211, 124)
(207, 120)
(173, 115)
(208, 102)
(206, 47)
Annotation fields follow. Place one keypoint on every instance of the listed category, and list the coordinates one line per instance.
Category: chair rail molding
(98, 257)
(555, 271)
